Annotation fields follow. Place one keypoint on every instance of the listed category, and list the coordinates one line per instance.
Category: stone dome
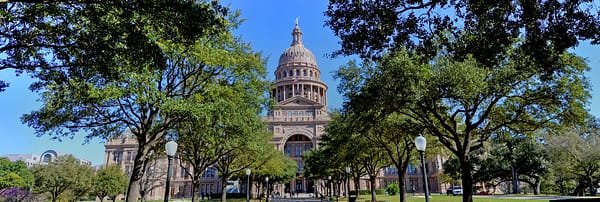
(297, 53)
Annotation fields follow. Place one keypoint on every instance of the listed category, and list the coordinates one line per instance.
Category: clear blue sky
(268, 28)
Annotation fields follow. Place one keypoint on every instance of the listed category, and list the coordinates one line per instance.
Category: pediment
(299, 101)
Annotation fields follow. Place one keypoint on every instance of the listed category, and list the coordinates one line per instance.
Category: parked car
(454, 190)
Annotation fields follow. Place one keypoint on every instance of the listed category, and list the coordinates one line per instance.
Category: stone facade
(300, 114)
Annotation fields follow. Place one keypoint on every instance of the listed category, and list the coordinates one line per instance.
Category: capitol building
(297, 120)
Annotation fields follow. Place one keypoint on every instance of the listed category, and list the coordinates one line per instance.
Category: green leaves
(65, 174)
(14, 174)
(109, 181)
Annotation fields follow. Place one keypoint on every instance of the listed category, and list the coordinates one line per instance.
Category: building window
(47, 158)
(210, 172)
(183, 173)
(288, 151)
(298, 151)
(300, 166)
(117, 155)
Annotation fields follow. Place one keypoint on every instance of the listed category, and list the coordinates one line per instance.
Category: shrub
(392, 189)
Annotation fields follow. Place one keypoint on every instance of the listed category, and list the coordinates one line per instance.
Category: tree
(109, 181)
(574, 154)
(39, 35)
(273, 164)
(342, 147)
(519, 158)
(62, 175)
(152, 84)
(14, 174)
(393, 133)
(483, 30)
(463, 103)
(228, 129)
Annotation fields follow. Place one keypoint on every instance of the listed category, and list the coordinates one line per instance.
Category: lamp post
(329, 187)
(348, 183)
(248, 185)
(267, 179)
(171, 148)
(421, 144)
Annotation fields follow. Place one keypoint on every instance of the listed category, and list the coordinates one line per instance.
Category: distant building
(51, 155)
(43, 159)
(29, 159)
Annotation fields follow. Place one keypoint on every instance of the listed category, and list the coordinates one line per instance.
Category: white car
(454, 190)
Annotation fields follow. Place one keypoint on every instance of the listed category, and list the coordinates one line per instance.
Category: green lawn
(382, 198)
(411, 198)
(439, 198)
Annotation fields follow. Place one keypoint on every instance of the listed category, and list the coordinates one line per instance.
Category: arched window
(305, 72)
(284, 74)
(291, 72)
(47, 158)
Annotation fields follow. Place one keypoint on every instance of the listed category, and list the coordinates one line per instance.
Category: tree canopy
(485, 30)
(14, 174)
(74, 36)
(65, 175)
(109, 181)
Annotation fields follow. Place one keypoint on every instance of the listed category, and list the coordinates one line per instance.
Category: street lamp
(248, 185)
(329, 187)
(267, 179)
(348, 183)
(171, 148)
(421, 144)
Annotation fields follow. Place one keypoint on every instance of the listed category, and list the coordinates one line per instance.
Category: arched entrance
(294, 147)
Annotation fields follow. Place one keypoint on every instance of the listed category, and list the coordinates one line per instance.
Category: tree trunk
(54, 197)
(224, 177)
(536, 187)
(467, 180)
(138, 172)
(515, 181)
(402, 187)
(590, 180)
(373, 194)
(195, 187)
(357, 186)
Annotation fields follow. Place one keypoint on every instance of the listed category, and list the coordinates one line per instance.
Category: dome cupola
(297, 53)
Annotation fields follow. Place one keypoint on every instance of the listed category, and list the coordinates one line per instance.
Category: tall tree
(65, 174)
(463, 103)
(226, 111)
(109, 181)
(150, 93)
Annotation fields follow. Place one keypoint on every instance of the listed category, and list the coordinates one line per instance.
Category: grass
(440, 198)
(384, 198)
